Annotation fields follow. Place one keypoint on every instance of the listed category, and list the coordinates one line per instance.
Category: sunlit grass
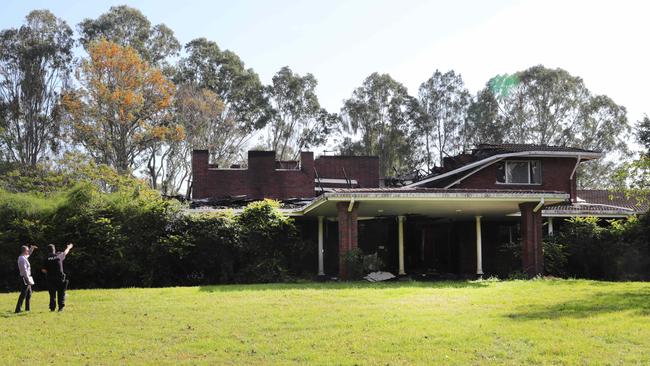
(519, 322)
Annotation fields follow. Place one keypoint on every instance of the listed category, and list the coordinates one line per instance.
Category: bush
(133, 237)
(555, 257)
(612, 249)
(353, 260)
(271, 246)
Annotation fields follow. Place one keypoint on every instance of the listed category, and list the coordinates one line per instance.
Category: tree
(443, 101)
(298, 121)
(643, 133)
(35, 63)
(199, 111)
(127, 26)
(382, 113)
(120, 109)
(483, 123)
(634, 177)
(243, 105)
(549, 106)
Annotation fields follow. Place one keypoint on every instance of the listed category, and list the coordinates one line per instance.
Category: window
(519, 172)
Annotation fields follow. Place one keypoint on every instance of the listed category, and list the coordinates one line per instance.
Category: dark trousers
(25, 295)
(57, 288)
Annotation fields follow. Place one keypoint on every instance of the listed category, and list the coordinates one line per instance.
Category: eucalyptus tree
(550, 106)
(127, 26)
(443, 101)
(35, 64)
(298, 121)
(243, 105)
(380, 116)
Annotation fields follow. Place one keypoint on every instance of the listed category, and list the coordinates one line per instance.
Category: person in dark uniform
(57, 284)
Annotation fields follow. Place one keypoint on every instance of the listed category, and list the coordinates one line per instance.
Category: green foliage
(555, 257)
(643, 133)
(382, 112)
(270, 244)
(35, 63)
(298, 121)
(359, 264)
(353, 260)
(549, 106)
(127, 26)
(71, 169)
(132, 237)
(443, 103)
(591, 248)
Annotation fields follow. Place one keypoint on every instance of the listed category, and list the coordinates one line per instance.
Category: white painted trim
(540, 154)
(400, 244)
(351, 205)
(479, 248)
(325, 189)
(539, 205)
(472, 173)
(575, 167)
(583, 214)
(335, 181)
(321, 265)
(432, 196)
(441, 196)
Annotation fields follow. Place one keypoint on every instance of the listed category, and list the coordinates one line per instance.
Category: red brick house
(451, 222)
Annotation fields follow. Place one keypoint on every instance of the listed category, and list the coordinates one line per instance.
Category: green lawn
(462, 323)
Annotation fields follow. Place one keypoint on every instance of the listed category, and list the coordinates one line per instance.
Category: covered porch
(430, 231)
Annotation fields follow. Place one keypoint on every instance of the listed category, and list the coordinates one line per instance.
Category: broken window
(519, 172)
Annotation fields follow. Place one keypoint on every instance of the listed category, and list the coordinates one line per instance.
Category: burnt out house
(455, 221)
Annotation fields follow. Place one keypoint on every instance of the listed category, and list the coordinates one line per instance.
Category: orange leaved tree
(120, 109)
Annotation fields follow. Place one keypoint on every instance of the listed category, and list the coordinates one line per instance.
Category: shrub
(353, 260)
(270, 246)
(555, 257)
(612, 249)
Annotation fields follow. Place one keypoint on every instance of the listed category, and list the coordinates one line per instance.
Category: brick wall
(348, 233)
(268, 178)
(532, 256)
(261, 180)
(363, 169)
(556, 174)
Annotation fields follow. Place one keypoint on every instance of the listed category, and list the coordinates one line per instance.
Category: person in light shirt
(26, 280)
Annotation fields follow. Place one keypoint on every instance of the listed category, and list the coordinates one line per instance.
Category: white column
(400, 237)
(321, 266)
(479, 250)
(550, 226)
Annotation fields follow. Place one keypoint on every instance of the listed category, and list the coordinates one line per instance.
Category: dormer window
(519, 172)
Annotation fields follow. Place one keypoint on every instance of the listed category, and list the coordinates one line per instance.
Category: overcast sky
(342, 42)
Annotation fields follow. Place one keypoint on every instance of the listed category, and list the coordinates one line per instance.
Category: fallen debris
(379, 276)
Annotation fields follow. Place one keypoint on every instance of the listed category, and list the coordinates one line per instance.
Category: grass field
(450, 323)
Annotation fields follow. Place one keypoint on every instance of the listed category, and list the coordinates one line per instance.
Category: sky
(342, 42)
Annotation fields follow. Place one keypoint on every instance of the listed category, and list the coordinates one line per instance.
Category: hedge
(135, 238)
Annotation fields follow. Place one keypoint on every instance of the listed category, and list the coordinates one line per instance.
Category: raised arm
(32, 248)
(67, 248)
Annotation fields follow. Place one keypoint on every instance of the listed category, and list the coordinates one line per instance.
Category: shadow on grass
(344, 286)
(596, 304)
(12, 314)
